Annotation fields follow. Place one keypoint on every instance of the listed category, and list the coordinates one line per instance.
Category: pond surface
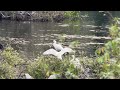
(33, 38)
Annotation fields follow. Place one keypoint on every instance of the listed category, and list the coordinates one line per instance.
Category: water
(33, 38)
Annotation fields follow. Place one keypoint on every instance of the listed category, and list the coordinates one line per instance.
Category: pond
(33, 38)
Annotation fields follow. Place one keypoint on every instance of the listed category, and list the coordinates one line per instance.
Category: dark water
(33, 38)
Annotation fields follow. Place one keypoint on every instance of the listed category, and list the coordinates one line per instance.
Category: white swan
(53, 52)
(76, 63)
(57, 47)
(58, 54)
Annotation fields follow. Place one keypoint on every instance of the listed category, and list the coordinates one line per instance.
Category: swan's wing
(67, 49)
(58, 46)
(50, 51)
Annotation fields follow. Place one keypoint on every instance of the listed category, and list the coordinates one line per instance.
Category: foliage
(74, 43)
(72, 15)
(108, 56)
(114, 31)
(10, 64)
(43, 67)
(11, 56)
(62, 38)
(7, 71)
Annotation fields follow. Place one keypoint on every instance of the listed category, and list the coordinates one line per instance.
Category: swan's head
(54, 41)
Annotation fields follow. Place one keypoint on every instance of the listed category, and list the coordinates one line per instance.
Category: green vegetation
(10, 64)
(43, 67)
(74, 44)
(109, 56)
(72, 15)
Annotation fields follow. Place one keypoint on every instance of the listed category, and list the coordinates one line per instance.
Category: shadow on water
(33, 38)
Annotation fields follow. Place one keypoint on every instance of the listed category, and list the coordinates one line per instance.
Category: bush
(7, 71)
(108, 59)
(72, 15)
(12, 57)
(43, 67)
(10, 64)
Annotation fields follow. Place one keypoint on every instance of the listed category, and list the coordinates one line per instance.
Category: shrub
(10, 63)
(43, 67)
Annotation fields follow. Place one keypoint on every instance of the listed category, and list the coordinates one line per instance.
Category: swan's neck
(73, 57)
(54, 42)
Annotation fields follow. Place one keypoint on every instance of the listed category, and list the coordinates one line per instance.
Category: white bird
(53, 52)
(57, 47)
(27, 76)
(75, 61)
(56, 53)
(67, 49)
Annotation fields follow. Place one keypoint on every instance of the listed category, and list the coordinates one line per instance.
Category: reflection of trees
(100, 19)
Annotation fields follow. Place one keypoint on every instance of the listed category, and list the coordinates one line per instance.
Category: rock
(54, 76)
(28, 76)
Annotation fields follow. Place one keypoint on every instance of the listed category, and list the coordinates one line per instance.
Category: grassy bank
(42, 16)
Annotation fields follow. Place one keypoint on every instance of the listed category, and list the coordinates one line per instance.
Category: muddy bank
(43, 16)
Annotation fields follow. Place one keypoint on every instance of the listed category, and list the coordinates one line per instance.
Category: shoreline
(42, 16)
